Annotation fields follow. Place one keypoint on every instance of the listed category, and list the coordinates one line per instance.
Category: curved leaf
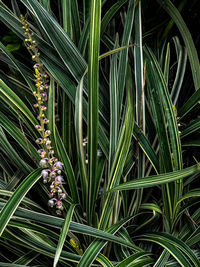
(16, 198)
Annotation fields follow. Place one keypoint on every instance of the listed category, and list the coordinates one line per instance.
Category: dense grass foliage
(123, 101)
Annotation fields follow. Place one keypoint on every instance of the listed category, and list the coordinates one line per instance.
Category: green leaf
(19, 137)
(14, 99)
(157, 179)
(190, 103)
(123, 57)
(55, 222)
(63, 234)
(13, 47)
(132, 260)
(119, 159)
(104, 261)
(190, 128)
(139, 97)
(110, 14)
(190, 194)
(96, 246)
(177, 248)
(168, 107)
(146, 147)
(11, 153)
(181, 68)
(59, 39)
(67, 167)
(27, 258)
(192, 52)
(79, 141)
(114, 106)
(17, 197)
(93, 102)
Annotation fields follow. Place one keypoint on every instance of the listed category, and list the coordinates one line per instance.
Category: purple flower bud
(52, 185)
(52, 174)
(46, 120)
(48, 142)
(38, 127)
(58, 171)
(43, 107)
(59, 190)
(62, 196)
(51, 203)
(45, 173)
(47, 133)
(43, 163)
(58, 165)
(36, 66)
(44, 96)
(38, 141)
(59, 205)
(59, 179)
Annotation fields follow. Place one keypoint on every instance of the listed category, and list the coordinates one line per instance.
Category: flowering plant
(53, 167)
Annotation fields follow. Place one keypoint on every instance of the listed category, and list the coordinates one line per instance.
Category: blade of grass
(157, 179)
(14, 99)
(17, 65)
(140, 97)
(12, 154)
(119, 160)
(67, 167)
(79, 142)
(123, 58)
(181, 68)
(190, 128)
(192, 52)
(63, 234)
(17, 197)
(114, 119)
(67, 51)
(96, 246)
(93, 102)
(177, 248)
(18, 136)
(190, 103)
(55, 222)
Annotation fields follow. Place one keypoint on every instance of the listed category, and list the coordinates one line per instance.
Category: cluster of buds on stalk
(52, 166)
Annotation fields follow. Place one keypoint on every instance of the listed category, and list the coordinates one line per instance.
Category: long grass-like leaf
(17, 197)
(157, 179)
(177, 248)
(18, 136)
(96, 246)
(63, 234)
(17, 65)
(190, 128)
(48, 220)
(14, 99)
(93, 105)
(119, 159)
(132, 259)
(67, 167)
(190, 103)
(12, 154)
(192, 52)
(79, 142)
(123, 58)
